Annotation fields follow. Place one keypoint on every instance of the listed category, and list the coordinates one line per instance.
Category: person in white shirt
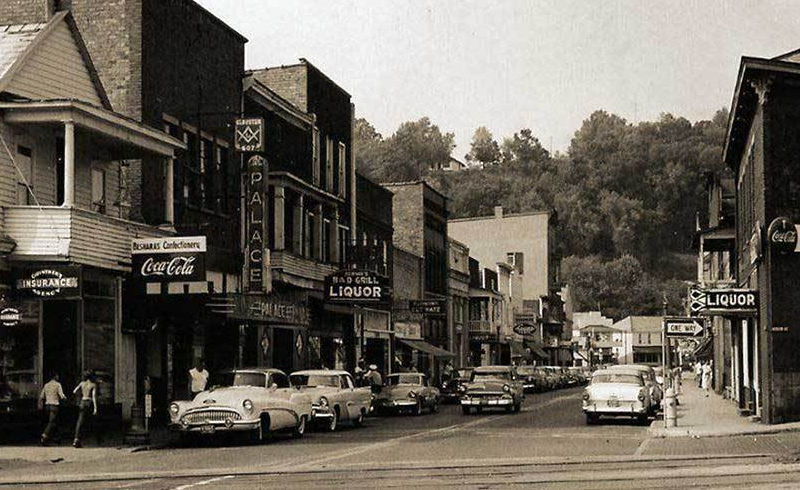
(50, 399)
(198, 378)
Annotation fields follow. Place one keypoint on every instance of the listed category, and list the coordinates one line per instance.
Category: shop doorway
(60, 341)
(283, 349)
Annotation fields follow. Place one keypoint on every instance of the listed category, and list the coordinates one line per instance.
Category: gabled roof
(19, 43)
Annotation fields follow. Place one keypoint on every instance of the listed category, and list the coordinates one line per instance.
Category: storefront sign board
(270, 308)
(782, 235)
(356, 286)
(428, 307)
(257, 259)
(525, 329)
(50, 282)
(723, 301)
(169, 259)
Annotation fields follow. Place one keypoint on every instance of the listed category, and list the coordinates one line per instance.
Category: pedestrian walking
(198, 378)
(88, 404)
(50, 400)
(698, 373)
(706, 377)
(359, 372)
(373, 378)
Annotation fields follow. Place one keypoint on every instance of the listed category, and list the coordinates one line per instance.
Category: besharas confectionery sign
(169, 259)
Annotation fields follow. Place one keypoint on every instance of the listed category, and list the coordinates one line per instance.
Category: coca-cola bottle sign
(782, 235)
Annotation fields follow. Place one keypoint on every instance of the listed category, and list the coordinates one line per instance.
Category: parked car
(653, 386)
(493, 387)
(410, 392)
(334, 397)
(257, 400)
(533, 379)
(616, 393)
(560, 379)
(550, 378)
(453, 388)
(576, 375)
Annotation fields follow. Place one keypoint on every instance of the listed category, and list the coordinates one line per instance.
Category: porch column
(320, 226)
(169, 192)
(278, 220)
(297, 232)
(333, 238)
(69, 163)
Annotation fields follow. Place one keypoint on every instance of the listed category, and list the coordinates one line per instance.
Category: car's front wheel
(359, 421)
(435, 406)
(334, 421)
(300, 429)
(591, 419)
(417, 409)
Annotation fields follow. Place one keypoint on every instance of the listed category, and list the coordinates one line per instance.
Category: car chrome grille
(210, 416)
(485, 394)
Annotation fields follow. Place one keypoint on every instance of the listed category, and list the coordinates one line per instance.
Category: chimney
(498, 212)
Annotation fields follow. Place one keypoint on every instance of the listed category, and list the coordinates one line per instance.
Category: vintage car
(334, 397)
(453, 388)
(493, 387)
(258, 400)
(533, 379)
(407, 392)
(654, 387)
(549, 379)
(616, 393)
(576, 375)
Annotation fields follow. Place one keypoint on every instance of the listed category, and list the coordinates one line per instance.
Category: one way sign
(684, 327)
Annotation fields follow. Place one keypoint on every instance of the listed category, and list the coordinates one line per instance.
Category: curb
(662, 432)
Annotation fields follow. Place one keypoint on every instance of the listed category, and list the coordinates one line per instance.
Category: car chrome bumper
(486, 402)
(396, 404)
(214, 427)
(317, 413)
(622, 408)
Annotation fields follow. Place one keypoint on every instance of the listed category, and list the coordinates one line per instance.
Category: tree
(523, 148)
(484, 150)
(368, 146)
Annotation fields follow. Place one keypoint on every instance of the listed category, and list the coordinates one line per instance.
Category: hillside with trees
(625, 196)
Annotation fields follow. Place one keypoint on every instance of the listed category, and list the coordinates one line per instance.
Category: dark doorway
(283, 349)
(60, 341)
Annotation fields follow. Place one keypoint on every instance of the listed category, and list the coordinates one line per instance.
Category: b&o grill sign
(48, 282)
(169, 259)
(355, 286)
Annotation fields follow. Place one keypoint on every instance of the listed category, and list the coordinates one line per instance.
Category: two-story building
(67, 215)
(458, 299)
(642, 340)
(584, 325)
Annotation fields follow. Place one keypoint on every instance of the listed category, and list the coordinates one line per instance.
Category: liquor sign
(782, 235)
(50, 282)
(723, 301)
(249, 136)
(428, 307)
(356, 286)
(169, 259)
(257, 260)
(525, 329)
(684, 327)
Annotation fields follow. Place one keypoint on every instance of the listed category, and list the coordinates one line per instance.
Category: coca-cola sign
(172, 259)
(782, 235)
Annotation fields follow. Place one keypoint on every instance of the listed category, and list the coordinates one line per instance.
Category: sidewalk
(711, 416)
(23, 454)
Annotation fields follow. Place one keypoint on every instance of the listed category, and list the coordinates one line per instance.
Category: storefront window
(18, 349)
(99, 307)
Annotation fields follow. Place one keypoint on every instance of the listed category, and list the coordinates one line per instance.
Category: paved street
(548, 443)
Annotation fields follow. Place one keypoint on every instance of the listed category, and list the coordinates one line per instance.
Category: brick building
(172, 65)
(761, 149)
(420, 216)
(67, 216)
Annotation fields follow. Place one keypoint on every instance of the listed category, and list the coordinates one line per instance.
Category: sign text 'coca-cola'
(173, 259)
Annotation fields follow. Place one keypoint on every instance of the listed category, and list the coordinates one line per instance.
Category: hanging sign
(257, 260)
(782, 235)
(428, 307)
(169, 259)
(50, 282)
(356, 286)
(723, 301)
(525, 329)
(249, 136)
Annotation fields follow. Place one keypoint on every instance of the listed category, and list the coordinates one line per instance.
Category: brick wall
(24, 11)
(408, 218)
(290, 82)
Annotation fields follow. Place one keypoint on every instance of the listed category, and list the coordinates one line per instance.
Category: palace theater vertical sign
(250, 141)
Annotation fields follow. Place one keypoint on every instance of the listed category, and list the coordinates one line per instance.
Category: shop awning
(538, 351)
(423, 346)
(705, 349)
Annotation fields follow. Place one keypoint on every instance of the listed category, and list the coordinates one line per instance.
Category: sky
(512, 64)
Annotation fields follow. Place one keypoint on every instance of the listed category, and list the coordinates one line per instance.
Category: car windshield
(404, 379)
(620, 378)
(240, 379)
(486, 375)
(315, 380)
